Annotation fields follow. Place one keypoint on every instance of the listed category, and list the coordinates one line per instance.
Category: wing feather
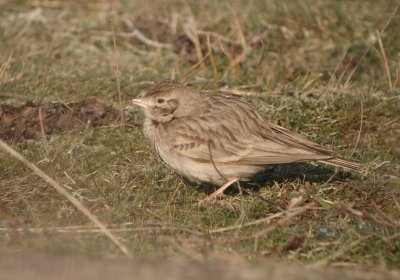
(228, 139)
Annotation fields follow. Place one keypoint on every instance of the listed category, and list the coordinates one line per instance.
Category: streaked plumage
(211, 138)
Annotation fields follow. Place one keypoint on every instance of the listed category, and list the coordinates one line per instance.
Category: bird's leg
(220, 191)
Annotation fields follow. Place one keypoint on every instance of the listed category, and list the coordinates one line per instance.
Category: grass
(297, 56)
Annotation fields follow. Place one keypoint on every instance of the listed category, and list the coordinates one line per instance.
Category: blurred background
(327, 69)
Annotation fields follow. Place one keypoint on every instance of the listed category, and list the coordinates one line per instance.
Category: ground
(327, 69)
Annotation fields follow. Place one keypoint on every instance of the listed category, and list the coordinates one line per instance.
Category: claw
(220, 192)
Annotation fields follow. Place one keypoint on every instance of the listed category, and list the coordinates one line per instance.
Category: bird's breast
(149, 131)
(156, 134)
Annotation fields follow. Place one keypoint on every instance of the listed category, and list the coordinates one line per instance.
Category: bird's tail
(337, 161)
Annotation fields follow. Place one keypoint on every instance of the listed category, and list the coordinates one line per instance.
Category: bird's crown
(163, 87)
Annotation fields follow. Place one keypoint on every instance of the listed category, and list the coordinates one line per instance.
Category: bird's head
(164, 101)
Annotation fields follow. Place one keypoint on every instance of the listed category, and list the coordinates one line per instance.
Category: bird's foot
(220, 192)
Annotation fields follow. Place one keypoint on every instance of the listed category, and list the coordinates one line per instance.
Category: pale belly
(206, 172)
(194, 171)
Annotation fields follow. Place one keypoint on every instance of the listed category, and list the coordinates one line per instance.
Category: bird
(220, 139)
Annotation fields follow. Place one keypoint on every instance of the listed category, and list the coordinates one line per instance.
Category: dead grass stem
(6, 148)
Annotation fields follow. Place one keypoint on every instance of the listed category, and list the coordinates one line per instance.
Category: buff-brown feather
(211, 138)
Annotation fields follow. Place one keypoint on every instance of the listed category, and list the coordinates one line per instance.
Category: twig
(394, 236)
(191, 70)
(284, 221)
(259, 221)
(241, 39)
(44, 138)
(18, 96)
(117, 74)
(91, 172)
(235, 91)
(134, 32)
(6, 148)
(191, 32)
(139, 35)
(289, 216)
(386, 217)
(396, 202)
(330, 178)
(361, 126)
(256, 195)
(330, 82)
(89, 230)
(386, 63)
(214, 66)
(5, 65)
(218, 36)
(338, 253)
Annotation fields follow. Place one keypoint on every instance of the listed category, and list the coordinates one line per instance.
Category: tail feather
(295, 140)
(344, 163)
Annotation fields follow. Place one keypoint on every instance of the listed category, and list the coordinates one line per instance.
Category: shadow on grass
(283, 173)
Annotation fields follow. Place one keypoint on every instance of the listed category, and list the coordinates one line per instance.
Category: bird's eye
(160, 100)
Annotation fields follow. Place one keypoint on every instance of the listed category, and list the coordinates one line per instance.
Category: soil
(31, 121)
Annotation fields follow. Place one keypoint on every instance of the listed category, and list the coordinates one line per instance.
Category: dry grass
(293, 60)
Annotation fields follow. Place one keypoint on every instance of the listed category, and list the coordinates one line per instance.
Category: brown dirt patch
(30, 120)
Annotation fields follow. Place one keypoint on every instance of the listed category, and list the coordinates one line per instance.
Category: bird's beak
(141, 102)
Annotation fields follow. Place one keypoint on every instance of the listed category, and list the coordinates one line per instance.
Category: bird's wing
(297, 140)
(224, 138)
(207, 139)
